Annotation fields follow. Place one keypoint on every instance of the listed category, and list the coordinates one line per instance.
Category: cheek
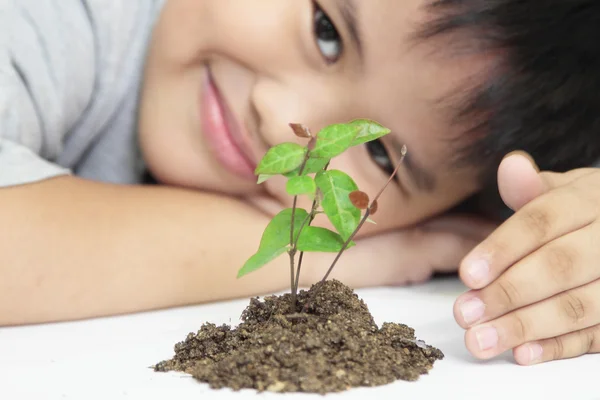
(172, 159)
(397, 210)
(180, 31)
(254, 33)
(188, 34)
(166, 124)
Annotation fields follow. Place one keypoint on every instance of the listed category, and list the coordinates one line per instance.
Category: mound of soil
(335, 346)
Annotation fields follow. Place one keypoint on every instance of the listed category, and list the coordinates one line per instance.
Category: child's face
(273, 62)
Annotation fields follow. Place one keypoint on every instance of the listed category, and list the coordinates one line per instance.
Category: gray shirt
(70, 74)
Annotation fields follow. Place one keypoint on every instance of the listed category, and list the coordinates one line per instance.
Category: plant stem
(292, 254)
(312, 216)
(296, 282)
(363, 220)
(360, 224)
(346, 244)
(402, 155)
(292, 250)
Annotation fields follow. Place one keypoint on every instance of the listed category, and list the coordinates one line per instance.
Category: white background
(109, 358)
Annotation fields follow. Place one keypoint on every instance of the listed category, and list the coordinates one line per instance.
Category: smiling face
(225, 78)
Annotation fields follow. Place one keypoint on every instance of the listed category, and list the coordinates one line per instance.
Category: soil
(333, 347)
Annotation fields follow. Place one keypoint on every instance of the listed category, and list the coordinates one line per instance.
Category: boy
(221, 81)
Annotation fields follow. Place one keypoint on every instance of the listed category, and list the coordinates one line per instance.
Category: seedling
(333, 193)
(329, 348)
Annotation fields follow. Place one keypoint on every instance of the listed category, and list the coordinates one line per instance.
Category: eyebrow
(349, 15)
(421, 176)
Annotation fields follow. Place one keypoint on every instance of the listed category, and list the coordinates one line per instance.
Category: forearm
(74, 249)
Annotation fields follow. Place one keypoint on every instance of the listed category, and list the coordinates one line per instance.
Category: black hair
(542, 92)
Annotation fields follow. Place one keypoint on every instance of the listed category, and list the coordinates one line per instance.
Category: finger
(540, 221)
(553, 180)
(574, 344)
(567, 312)
(519, 181)
(558, 266)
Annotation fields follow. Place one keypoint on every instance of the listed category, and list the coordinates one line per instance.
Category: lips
(225, 138)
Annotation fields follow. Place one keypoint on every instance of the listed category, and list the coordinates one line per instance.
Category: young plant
(333, 193)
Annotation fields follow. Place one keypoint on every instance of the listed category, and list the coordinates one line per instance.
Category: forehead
(408, 83)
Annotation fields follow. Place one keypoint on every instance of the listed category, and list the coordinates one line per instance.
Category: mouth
(225, 138)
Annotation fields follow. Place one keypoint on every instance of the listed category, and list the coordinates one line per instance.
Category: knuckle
(507, 295)
(586, 340)
(573, 308)
(520, 328)
(594, 338)
(538, 221)
(558, 348)
(584, 198)
(560, 264)
(496, 246)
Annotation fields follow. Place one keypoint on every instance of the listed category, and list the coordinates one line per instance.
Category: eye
(380, 156)
(327, 37)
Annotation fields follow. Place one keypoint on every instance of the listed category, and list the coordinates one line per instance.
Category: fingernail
(535, 353)
(487, 337)
(472, 310)
(524, 154)
(478, 270)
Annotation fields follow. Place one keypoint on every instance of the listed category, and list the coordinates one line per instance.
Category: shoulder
(66, 68)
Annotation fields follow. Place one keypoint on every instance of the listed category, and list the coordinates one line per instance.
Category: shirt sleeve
(47, 69)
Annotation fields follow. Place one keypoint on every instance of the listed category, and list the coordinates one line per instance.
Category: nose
(277, 105)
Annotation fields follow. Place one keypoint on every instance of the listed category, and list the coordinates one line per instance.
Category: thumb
(519, 180)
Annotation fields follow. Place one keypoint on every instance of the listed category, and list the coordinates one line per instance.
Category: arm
(71, 248)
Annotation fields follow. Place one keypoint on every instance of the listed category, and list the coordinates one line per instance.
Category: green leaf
(300, 185)
(313, 165)
(263, 178)
(284, 157)
(277, 232)
(315, 239)
(275, 239)
(259, 260)
(336, 187)
(333, 140)
(367, 131)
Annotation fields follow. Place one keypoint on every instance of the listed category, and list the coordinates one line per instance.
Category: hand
(536, 279)
(413, 254)
(409, 255)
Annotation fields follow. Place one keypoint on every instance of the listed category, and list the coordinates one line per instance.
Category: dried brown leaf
(359, 199)
(301, 130)
(374, 207)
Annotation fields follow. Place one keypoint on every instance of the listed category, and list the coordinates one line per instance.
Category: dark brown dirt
(333, 347)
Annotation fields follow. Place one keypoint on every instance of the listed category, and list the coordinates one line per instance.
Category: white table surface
(108, 358)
